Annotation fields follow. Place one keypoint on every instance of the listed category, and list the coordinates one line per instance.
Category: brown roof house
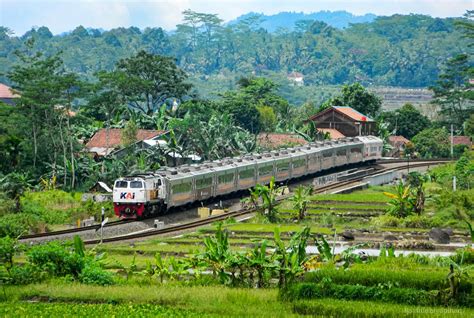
(296, 78)
(106, 141)
(398, 144)
(462, 140)
(276, 140)
(346, 120)
(7, 95)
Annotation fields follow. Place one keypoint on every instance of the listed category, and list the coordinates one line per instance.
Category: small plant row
(367, 276)
(328, 307)
(382, 292)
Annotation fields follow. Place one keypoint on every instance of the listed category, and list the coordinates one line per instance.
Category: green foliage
(94, 274)
(17, 224)
(56, 259)
(300, 200)
(401, 203)
(357, 97)
(432, 143)
(452, 90)
(407, 296)
(406, 121)
(266, 196)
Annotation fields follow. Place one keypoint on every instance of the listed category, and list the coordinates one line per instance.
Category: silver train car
(143, 195)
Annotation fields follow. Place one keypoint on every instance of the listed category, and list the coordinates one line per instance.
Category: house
(7, 95)
(398, 144)
(296, 78)
(277, 140)
(333, 133)
(106, 141)
(462, 140)
(346, 120)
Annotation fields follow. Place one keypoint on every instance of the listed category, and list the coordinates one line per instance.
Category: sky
(64, 15)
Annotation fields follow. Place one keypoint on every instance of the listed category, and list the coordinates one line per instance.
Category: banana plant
(300, 200)
(161, 267)
(401, 203)
(217, 251)
(260, 262)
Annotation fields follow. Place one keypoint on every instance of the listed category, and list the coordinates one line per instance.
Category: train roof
(203, 168)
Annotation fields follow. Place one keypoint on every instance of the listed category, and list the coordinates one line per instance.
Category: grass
(24, 309)
(373, 195)
(207, 301)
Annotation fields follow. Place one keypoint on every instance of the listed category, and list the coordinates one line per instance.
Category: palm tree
(14, 185)
(300, 200)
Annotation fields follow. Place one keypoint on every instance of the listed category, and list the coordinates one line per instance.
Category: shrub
(92, 273)
(420, 221)
(342, 308)
(25, 274)
(372, 277)
(409, 296)
(386, 221)
(56, 259)
(17, 224)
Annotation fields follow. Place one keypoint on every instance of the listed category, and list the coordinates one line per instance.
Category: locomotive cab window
(136, 184)
(121, 184)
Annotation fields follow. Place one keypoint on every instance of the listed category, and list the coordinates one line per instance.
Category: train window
(263, 171)
(121, 184)
(283, 166)
(314, 160)
(181, 188)
(159, 182)
(341, 152)
(355, 150)
(327, 154)
(245, 174)
(136, 184)
(226, 178)
(298, 163)
(203, 183)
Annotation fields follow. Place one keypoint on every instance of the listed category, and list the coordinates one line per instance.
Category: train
(143, 195)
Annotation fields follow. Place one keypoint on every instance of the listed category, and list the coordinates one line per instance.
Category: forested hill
(401, 50)
(294, 20)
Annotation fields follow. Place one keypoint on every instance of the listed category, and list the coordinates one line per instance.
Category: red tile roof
(462, 140)
(115, 137)
(6, 92)
(397, 140)
(351, 112)
(345, 110)
(333, 133)
(274, 140)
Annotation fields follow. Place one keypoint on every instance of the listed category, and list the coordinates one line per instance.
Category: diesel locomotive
(142, 195)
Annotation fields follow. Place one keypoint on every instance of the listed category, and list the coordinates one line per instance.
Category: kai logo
(127, 195)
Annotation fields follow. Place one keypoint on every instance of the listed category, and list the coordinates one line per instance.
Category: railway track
(212, 219)
(197, 223)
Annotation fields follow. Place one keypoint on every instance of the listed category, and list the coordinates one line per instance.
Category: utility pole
(452, 141)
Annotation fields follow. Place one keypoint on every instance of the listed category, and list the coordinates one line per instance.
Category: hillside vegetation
(399, 50)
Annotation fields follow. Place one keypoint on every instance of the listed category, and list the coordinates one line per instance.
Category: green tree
(146, 81)
(129, 133)
(453, 91)
(14, 185)
(268, 118)
(469, 126)
(359, 98)
(432, 143)
(406, 121)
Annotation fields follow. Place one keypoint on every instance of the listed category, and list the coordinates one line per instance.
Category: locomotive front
(129, 197)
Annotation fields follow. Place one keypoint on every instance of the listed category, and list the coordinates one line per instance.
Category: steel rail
(210, 220)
